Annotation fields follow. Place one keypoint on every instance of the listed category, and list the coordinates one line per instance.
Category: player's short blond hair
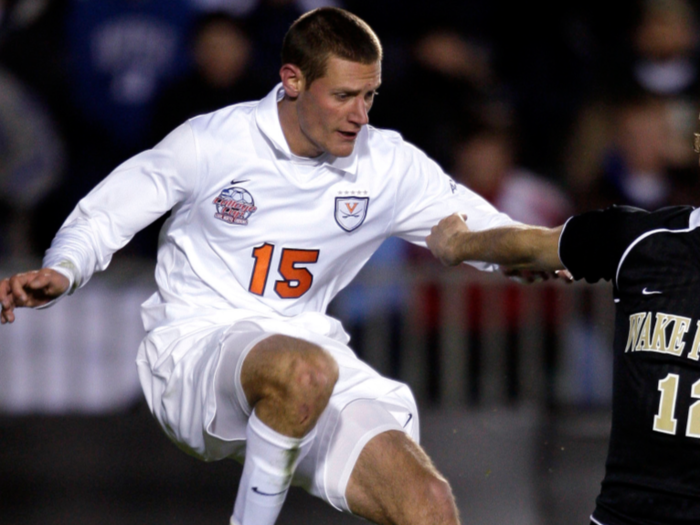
(328, 31)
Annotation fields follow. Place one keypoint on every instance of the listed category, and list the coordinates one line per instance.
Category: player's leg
(287, 383)
(395, 483)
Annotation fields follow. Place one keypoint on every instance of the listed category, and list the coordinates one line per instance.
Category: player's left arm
(425, 195)
(515, 247)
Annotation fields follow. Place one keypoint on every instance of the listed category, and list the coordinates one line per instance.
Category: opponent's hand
(532, 276)
(30, 289)
(444, 239)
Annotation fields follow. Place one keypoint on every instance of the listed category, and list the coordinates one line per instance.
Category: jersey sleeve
(130, 198)
(426, 194)
(592, 244)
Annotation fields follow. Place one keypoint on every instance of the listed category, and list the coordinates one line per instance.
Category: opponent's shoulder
(594, 243)
(627, 223)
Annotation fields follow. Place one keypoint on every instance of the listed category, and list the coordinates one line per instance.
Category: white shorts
(181, 388)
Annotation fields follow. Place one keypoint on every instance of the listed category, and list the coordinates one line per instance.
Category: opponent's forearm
(522, 247)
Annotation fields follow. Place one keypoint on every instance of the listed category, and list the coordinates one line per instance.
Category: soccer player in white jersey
(276, 205)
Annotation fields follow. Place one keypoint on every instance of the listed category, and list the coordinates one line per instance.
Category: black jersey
(653, 259)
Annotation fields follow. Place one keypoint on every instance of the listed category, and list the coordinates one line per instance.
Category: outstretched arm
(517, 247)
(30, 289)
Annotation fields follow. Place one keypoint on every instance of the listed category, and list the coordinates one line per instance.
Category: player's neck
(298, 143)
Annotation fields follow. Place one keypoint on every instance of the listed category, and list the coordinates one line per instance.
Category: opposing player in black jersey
(653, 260)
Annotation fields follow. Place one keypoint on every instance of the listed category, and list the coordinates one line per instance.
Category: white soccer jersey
(256, 231)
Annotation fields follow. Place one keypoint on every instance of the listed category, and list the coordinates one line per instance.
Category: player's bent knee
(419, 496)
(439, 497)
(313, 375)
(431, 498)
(289, 370)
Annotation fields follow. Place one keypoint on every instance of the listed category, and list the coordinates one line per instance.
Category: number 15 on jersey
(295, 281)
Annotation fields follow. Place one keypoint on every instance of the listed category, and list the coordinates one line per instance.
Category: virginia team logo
(350, 212)
(234, 205)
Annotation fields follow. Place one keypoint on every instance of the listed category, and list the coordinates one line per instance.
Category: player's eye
(369, 98)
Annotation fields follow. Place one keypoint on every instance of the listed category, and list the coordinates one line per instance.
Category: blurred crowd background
(543, 108)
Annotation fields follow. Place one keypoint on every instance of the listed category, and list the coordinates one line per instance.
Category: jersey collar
(267, 118)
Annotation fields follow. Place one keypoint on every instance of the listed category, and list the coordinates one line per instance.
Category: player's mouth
(350, 135)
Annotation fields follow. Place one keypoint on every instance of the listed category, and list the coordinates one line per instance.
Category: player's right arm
(516, 247)
(130, 198)
(31, 289)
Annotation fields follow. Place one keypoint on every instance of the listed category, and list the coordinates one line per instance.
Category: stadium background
(544, 109)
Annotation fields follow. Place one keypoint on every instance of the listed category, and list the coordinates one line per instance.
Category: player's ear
(292, 80)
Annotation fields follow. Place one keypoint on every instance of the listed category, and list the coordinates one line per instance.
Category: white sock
(270, 461)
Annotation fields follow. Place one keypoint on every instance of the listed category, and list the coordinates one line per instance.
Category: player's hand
(444, 239)
(30, 289)
(531, 276)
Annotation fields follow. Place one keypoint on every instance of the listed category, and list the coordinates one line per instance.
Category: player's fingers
(7, 316)
(42, 280)
(39, 280)
(17, 282)
(565, 275)
(5, 293)
(536, 277)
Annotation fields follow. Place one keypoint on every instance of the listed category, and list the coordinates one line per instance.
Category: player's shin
(270, 461)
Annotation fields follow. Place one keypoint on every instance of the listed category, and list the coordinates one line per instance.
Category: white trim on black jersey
(694, 219)
(596, 521)
(561, 235)
(694, 223)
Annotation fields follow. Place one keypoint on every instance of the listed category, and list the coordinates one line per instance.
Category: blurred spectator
(122, 53)
(487, 163)
(222, 52)
(485, 158)
(32, 48)
(235, 8)
(547, 54)
(622, 154)
(31, 163)
(448, 82)
(662, 58)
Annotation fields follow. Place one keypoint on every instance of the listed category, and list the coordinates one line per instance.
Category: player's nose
(360, 112)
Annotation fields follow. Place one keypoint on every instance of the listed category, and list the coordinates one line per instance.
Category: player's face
(334, 108)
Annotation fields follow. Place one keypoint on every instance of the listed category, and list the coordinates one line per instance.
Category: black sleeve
(592, 244)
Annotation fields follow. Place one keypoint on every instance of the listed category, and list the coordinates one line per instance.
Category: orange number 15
(296, 281)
